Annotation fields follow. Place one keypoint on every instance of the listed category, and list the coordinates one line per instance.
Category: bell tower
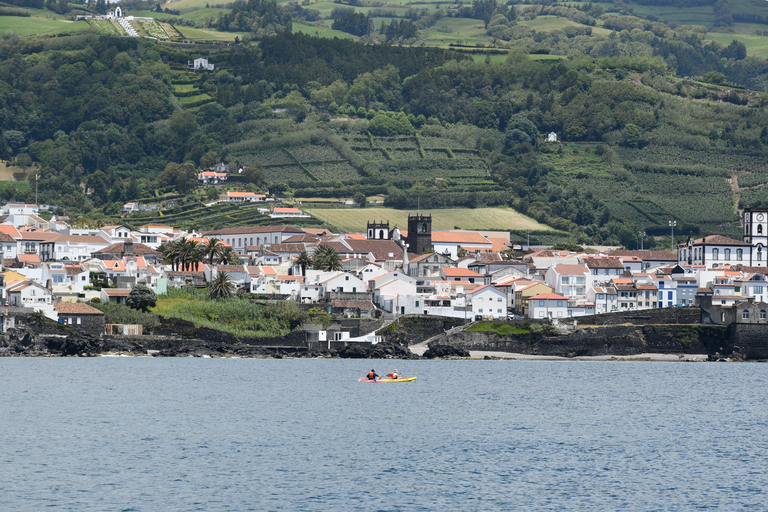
(379, 231)
(419, 237)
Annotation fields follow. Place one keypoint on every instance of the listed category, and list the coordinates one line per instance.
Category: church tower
(419, 237)
(756, 234)
(379, 231)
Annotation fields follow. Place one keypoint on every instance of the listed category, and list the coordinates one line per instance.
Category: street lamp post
(672, 225)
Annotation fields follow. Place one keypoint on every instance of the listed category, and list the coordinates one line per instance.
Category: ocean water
(151, 434)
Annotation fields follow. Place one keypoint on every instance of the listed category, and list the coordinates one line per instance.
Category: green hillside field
(354, 220)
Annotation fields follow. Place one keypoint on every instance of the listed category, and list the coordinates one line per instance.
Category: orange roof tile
(459, 237)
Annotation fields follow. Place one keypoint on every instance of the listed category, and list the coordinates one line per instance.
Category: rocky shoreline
(439, 338)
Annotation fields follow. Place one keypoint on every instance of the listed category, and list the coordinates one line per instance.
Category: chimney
(128, 251)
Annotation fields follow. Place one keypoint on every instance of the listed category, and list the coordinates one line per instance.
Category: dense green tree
(141, 298)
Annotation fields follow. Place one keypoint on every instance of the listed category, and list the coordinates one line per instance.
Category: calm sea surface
(142, 434)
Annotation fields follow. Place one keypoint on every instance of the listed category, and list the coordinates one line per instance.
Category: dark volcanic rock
(436, 350)
(386, 350)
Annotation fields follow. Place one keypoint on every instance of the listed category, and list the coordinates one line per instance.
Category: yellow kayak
(409, 379)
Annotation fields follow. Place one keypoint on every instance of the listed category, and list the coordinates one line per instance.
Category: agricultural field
(198, 33)
(577, 159)
(757, 46)
(29, 26)
(318, 31)
(354, 220)
(457, 31)
(153, 29)
(13, 173)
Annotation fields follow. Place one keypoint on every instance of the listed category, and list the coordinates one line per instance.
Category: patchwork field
(353, 220)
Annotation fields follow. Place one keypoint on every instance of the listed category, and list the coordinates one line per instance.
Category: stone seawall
(687, 315)
(619, 340)
(750, 340)
(410, 330)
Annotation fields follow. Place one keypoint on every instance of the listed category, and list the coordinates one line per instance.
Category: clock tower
(756, 234)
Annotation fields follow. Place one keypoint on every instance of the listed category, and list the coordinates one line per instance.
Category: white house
(548, 305)
(715, 251)
(240, 238)
(20, 209)
(552, 137)
(72, 247)
(488, 302)
(9, 246)
(244, 197)
(199, 63)
(344, 282)
(755, 286)
(278, 212)
(449, 242)
(211, 177)
(115, 233)
(573, 281)
(605, 299)
(604, 266)
(29, 294)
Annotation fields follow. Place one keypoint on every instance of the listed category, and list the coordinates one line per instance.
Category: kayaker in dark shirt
(372, 375)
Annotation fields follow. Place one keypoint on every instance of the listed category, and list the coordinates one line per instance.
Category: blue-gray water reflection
(244, 434)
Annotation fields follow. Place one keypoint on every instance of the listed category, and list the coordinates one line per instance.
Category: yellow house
(524, 293)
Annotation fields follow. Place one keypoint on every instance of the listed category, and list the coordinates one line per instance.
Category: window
(762, 314)
(559, 303)
(480, 310)
(565, 280)
(669, 295)
(745, 314)
(739, 254)
(541, 314)
(757, 290)
(759, 229)
(417, 303)
(541, 303)
(559, 313)
(715, 254)
(498, 311)
(727, 254)
(79, 321)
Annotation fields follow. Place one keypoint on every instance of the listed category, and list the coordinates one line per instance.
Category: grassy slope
(32, 25)
(197, 33)
(756, 45)
(502, 219)
(325, 32)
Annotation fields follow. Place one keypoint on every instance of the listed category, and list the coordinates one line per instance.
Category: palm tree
(326, 258)
(212, 249)
(304, 260)
(229, 257)
(172, 253)
(191, 254)
(221, 287)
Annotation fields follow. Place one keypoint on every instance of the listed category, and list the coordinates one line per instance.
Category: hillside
(649, 125)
